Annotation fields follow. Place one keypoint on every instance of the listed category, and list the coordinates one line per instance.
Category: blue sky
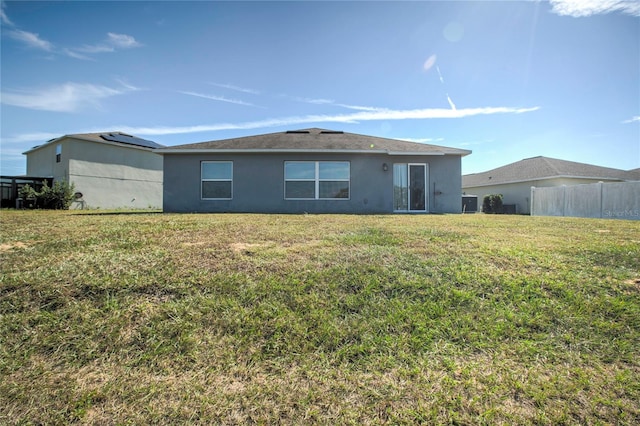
(507, 80)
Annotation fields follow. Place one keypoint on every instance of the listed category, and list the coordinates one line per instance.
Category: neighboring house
(313, 171)
(514, 181)
(108, 170)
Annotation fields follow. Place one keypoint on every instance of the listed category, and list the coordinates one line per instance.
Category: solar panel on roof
(130, 140)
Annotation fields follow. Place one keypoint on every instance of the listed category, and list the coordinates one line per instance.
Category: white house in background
(108, 170)
(514, 181)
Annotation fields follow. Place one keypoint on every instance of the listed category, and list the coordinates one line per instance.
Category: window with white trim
(316, 180)
(216, 180)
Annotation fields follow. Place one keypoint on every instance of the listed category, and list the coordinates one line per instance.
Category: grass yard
(332, 319)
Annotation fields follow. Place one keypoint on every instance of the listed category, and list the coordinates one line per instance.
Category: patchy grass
(227, 319)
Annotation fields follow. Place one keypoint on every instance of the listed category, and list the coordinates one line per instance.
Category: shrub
(57, 197)
(29, 196)
(492, 204)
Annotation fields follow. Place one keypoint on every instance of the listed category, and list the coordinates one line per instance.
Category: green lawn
(150, 318)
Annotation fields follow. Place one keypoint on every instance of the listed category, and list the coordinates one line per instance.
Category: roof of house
(315, 140)
(108, 137)
(537, 168)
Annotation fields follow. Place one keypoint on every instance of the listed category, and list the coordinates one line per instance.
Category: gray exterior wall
(258, 183)
(108, 175)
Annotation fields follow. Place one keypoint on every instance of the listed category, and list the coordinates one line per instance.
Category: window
(316, 180)
(216, 180)
(58, 153)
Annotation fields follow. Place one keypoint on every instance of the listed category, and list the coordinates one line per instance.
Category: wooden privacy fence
(618, 200)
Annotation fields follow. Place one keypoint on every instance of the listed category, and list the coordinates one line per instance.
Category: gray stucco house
(314, 171)
(108, 170)
(514, 181)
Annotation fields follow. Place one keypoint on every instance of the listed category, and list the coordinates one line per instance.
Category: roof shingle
(316, 139)
(537, 168)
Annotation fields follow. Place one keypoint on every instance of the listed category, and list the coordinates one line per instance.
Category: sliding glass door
(410, 187)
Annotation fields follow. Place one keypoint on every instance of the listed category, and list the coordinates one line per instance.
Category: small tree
(27, 192)
(492, 203)
(57, 197)
(29, 196)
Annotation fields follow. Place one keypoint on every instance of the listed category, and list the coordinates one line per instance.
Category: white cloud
(68, 97)
(632, 120)
(29, 137)
(291, 121)
(415, 114)
(111, 44)
(322, 101)
(3, 16)
(76, 55)
(582, 8)
(422, 140)
(31, 40)
(236, 88)
(122, 41)
(220, 98)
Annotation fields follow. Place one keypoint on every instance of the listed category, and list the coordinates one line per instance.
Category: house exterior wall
(108, 175)
(520, 193)
(258, 183)
(42, 162)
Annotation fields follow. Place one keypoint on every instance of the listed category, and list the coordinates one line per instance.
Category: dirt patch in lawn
(12, 246)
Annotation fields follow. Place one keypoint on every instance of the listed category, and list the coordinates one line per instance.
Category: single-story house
(314, 171)
(108, 170)
(514, 181)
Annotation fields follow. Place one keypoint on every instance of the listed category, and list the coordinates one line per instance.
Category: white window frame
(202, 180)
(317, 180)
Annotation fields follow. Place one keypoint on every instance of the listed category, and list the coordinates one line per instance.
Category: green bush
(57, 197)
(492, 204)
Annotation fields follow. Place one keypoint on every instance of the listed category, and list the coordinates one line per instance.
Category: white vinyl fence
(619, 200)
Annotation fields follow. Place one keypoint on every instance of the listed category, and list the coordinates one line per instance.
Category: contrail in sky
(451, 104)
(440, 74)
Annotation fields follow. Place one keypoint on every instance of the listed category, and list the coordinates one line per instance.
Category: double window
(216, 180)
(316, 180)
